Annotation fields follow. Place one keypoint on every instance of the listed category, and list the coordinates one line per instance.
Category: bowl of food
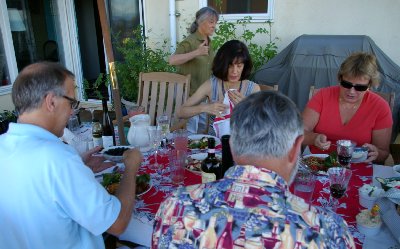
(368, 195)
(369, 222)
(360, 154)
(111, 183)
(319, 163)
(115, 153)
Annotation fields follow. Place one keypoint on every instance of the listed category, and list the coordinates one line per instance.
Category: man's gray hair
(202, 15)
(265, 125)
(36, 81)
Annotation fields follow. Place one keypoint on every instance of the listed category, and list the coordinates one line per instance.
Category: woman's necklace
(348, 106)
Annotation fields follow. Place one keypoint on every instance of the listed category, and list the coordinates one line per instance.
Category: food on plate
(321, 164)
(193, 164)
(369, 222)
(388, 183)
(117, 151)
(111, 182)
(201, 143)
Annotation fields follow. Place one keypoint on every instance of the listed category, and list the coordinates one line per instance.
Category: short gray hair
(36, 81)
(201, 15)
(265, 125)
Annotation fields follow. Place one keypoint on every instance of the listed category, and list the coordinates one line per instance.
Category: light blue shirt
(48, 197)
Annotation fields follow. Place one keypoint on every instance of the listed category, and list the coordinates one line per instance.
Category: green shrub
(139, 57)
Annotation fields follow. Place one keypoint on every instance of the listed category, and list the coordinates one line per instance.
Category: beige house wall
(292, 18)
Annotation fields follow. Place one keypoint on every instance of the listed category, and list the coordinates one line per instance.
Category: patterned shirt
(250, 207)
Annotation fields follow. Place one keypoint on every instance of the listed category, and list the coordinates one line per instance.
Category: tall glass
(155, 140)
(163, 124)
(181, 139)
(345, 149)
(338, 180)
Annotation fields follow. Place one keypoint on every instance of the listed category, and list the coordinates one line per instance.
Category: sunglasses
(359, 88)
(74, 103)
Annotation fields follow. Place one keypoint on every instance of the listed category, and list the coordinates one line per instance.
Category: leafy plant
(97, 87)
(7, 117)
(139, 57)
(260, 53)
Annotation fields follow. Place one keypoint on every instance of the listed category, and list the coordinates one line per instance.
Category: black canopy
(315, 60)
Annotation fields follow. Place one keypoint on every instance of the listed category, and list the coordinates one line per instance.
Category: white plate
(147, 190)
(199, 157)
(319, 156)
(200, 136)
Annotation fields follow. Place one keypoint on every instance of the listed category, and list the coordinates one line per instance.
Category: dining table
(140, 227)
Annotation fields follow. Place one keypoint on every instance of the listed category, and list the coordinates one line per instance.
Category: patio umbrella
(111, 63)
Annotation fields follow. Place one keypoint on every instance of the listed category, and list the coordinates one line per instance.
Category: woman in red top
(350, 111)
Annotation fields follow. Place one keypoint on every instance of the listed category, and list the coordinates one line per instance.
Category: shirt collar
(253, 173)
(30, 130)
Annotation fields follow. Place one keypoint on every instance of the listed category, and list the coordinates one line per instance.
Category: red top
(373, 114)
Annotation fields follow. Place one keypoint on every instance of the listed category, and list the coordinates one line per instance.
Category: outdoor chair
(161, 92)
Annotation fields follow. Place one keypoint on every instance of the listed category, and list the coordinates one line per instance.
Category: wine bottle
(227, 160)
(226, 240)
(210, 165)
(97, 133)
(209, 237)
(108, 130)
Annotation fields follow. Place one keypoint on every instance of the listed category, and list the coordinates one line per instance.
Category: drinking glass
(163, 124)
(338, 180)
(304, 184)
(345, 150)
(155, 139)
(181, 139)
(188, 221)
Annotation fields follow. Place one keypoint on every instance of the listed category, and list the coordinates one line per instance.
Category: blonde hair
(360, 64)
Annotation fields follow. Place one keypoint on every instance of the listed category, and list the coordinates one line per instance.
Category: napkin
(388, 211)
(221, 124)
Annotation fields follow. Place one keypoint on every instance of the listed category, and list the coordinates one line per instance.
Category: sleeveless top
(215, 97)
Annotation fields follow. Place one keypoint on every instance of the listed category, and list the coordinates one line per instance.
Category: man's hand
(96, 162)
(133, 158)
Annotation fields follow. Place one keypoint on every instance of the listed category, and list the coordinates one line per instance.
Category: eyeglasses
(74, 103)
(357, 87)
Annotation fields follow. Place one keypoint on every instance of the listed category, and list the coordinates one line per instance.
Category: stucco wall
(6, 102)
(377, 19)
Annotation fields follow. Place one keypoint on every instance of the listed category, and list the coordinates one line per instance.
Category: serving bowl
(360, 154)
(115, 153)
(367, 225)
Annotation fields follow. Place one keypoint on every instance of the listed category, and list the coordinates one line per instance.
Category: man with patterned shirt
(252, 206)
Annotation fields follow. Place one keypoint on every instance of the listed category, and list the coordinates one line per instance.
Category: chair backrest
(162, 91)
(313, 91)
(389, 97)
(268, 87)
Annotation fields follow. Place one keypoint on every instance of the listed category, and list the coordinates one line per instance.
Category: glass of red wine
(345, 149)
(338, 179)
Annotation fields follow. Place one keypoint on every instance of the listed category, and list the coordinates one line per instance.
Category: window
(236, 9)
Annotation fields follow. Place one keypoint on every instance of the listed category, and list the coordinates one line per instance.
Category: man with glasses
(350, 111)
(49, 198)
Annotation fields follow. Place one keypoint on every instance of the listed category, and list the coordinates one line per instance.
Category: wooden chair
(268, 87)
(163, 91)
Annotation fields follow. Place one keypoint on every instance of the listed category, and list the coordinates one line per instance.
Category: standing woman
(231, 69)
(194, 55)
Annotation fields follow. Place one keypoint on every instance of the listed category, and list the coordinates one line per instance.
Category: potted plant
(5, 118)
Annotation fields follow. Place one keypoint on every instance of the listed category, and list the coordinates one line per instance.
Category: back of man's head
(37, 80)
(265, 125)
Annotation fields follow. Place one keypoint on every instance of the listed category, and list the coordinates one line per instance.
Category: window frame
(268, 16)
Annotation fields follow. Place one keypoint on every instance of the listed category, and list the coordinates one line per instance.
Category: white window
(259, 10)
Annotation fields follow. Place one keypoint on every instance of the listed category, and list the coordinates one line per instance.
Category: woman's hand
(203, 49)
(321, 142)
(373, 152)
(235, 96)
(216, 108)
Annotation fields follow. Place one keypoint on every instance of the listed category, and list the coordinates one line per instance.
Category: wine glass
(338, 179)
(91, 109)
(155, 138)
(345, 150)
(163, 124)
